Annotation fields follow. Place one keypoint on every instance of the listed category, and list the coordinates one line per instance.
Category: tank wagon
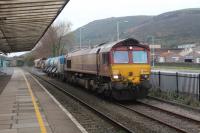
(119, 69)
(36, 63)
(40, 63)
(55, 66)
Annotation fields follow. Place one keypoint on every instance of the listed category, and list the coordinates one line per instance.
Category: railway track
(169, 112)
(134, 108)
(163, 116)
(174, 103)
(99, 113)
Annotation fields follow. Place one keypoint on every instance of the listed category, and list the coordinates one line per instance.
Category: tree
(55, 41)
(29, 59)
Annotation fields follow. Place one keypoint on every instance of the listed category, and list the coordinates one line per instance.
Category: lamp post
(80, 30)
(153, 50)
(89, 44)
(118, 28)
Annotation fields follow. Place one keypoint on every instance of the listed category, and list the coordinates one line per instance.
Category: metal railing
(178, 82)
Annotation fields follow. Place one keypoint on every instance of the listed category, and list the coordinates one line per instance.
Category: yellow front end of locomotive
(134, 73)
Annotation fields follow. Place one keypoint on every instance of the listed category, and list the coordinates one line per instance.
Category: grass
(176, 67)
(173, 96)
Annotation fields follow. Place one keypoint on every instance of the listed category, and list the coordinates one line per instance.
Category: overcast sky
(81, 12)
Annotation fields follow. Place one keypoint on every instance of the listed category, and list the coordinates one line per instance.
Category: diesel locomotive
(118, 69)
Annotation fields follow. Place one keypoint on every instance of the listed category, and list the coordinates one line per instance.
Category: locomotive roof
(106, 47)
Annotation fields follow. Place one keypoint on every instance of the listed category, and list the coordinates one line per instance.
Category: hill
(104, 30)
(169, 29)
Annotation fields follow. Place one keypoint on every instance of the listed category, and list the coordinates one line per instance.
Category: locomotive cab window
(105, 58)
(139, 56)
(121, 57)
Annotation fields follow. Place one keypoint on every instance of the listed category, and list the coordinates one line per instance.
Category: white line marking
(82, 129)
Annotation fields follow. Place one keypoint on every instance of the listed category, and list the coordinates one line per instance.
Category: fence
(179, 82)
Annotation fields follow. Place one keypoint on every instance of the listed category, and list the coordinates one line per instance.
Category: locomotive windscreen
(139, 56)
(121, 57)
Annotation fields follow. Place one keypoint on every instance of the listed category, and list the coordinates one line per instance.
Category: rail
(175, 103)
(169, 112)
(154, 119)
(86, 104)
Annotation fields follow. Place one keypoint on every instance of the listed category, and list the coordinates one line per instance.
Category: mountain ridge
(169, 29)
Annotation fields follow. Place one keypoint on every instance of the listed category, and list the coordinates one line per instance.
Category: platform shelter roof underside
(24, 22)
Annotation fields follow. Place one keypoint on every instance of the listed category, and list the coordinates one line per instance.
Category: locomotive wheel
(108, 93)
(93, 86)
(87, 84)
(146, 85)
(63, 78)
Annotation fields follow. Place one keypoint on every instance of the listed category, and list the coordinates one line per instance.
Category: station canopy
(24, 22)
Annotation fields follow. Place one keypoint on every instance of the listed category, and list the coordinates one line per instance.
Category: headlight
(144, 76)
(115, 76)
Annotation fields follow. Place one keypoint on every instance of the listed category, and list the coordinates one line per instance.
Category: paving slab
(17, 112)
(8, 131)
(29, 130)
(5, 122)
(32, 130)
(58, 120)
(5, 126)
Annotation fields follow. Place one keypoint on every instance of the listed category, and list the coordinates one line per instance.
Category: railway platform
(27, 107)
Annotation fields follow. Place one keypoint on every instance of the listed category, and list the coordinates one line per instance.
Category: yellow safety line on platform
(37, 112)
